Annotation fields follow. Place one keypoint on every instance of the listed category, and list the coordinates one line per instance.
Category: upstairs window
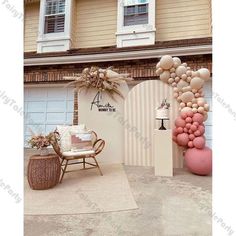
(54, 16)
(135, 12)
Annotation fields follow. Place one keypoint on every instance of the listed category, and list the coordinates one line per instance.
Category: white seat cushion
(78, 153)
(65, 135)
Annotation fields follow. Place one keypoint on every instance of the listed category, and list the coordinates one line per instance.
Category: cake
(162, 112)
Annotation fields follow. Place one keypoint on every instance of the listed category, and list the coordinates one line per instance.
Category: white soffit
(118, 56)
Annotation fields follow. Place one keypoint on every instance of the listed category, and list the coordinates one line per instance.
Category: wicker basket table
(43, 171)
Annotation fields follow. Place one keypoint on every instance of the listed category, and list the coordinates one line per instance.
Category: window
(54, 16)
(135, 12)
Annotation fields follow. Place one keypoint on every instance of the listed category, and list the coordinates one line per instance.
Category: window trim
(131, 34)
(58, 41)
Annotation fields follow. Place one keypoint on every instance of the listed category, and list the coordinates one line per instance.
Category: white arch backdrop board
(108, 125)
(139, 115)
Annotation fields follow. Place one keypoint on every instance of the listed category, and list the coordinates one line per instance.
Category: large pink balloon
(179, 122)
(197, 117)
(199, 142)
(188, 125)
(182, 139)
(199, 161)
(193, 128)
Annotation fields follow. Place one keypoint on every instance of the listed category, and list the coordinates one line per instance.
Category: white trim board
(120, 56)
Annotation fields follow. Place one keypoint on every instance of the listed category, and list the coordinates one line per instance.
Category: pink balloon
(185, 130)
(199, 161)
(188, 125)
(190, 113)
(197, 133)
(190, 131)
(197, 117)
(184, 115)
(182, 139)
(193, 128)
(191, 136)
(180, 130)
(190, 144)
(201, 128)
(188, 120)
(199, 142)
(174, 131)
(179, 122)
(196, 123)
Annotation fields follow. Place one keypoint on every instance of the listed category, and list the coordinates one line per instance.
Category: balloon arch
(189, 125)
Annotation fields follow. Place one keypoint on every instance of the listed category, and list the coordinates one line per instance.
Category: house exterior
(61, 37)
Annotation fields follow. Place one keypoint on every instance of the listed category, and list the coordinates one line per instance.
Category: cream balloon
(158, 65)
(187, 97)
(182, 84)
(186, 89)
(166, 62)
(177, 61)
(159, 71)
(196, 83)
(185, 109)
(204, 74)
(180, 70)
(170, 80)
(177, 79)
(165, 75)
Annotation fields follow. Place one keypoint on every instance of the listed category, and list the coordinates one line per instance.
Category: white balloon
(166, 62)
(177, 61)
(187, 97)
(196, 83)
(165, 75)
(204, 74)
(180, 70)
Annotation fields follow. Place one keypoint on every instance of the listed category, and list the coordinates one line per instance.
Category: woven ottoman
(43, 171)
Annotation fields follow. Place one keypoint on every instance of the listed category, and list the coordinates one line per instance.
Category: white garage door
(208, 123)
(47, 107)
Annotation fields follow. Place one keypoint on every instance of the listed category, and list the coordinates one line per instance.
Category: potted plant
(41, 142)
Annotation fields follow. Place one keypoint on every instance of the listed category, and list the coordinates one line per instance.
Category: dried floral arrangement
(41, 141)
(164, 104)
(104, 80)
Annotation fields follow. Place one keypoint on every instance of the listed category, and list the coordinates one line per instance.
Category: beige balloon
(205, 116)
(182, 84)
(170, 80)
(185, 109)
(204, 74)
(173, 75)
(186, 89)
(177, 79)
(172, 70)
(196, 83)
(166, 62)
(159, 71)
(158, 65)
(165, 75)
(187, 97)
(189, 104)
(200, 109)
(180, 70)
(194, 110)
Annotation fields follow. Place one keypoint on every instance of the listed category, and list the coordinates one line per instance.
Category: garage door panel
(57, 94)
(36, 106)
(56, 106)
(69, 117)
(70, 94)
(55, 118)
(38, 94)
(50, 128)
(36, 118)
(35, 128)
(70, 106)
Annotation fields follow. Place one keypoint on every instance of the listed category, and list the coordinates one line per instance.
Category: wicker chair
(67, 157)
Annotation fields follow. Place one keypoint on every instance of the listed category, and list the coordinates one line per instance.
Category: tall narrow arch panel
(139, 114)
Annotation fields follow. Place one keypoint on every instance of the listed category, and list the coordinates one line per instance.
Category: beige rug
(83, 192)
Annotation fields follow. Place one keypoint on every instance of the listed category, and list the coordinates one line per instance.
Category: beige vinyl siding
(182, 19)
(31, 26)
(95, 23)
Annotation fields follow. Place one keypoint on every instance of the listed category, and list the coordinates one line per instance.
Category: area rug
(83, 191)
